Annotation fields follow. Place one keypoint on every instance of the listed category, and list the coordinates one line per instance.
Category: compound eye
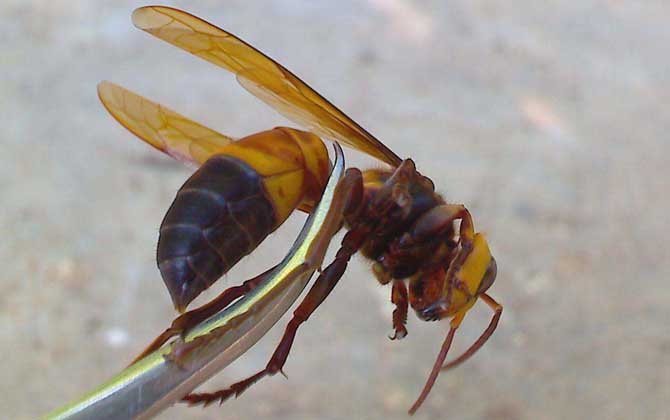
(489, 276)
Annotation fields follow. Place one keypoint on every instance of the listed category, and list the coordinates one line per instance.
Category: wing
(260, 75)
(164, 129)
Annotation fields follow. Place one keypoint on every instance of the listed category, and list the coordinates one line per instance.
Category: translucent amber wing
(260, 75)
(164, 129)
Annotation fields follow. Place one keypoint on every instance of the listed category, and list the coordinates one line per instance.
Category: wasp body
(426, 247)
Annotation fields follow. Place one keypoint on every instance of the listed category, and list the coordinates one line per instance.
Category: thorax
(382, 244)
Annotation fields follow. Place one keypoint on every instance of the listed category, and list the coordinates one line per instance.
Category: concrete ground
(549, 120)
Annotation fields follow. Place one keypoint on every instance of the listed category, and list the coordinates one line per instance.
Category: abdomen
(233, 202)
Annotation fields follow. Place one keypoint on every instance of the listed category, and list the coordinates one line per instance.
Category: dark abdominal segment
(219, 215)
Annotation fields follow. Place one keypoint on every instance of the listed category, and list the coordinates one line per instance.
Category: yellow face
(471, 273)
(471, 278)
(476, 274)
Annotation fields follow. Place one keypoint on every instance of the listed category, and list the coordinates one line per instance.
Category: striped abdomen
(228, 206)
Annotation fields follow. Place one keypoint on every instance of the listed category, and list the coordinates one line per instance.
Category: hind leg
(352, 192)
(189, 319)
(316, 295)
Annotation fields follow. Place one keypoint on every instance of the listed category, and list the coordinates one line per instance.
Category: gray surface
(549, 120)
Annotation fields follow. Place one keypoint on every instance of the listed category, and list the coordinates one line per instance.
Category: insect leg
(399, 298)
(317, 294)
(497, 312)
(436, 221)
(189, 319)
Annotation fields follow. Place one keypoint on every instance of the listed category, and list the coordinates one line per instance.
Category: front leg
(399, 298)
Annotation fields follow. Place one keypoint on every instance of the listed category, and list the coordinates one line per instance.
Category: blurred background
(549, 120)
